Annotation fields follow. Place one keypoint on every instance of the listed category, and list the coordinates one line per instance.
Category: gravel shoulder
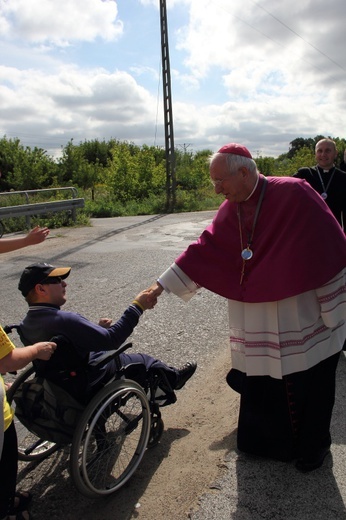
(199, 432)
(199, 427)
(195, 472)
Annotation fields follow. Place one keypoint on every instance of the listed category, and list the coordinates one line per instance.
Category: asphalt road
(111, 262)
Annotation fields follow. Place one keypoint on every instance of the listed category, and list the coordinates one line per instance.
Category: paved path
(112, 261)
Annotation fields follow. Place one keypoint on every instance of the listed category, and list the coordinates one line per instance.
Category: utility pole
(168, 113)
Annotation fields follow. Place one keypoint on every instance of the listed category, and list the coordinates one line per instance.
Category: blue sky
(258, 73)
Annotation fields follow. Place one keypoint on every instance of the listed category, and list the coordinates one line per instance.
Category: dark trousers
(8, 470)
(88, 380)
(141, 362)
(289, 418)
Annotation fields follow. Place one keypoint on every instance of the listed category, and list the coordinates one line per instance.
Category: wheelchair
(114, 430)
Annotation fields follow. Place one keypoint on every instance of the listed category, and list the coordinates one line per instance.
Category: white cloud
(38, 21)
(262, 74)
(232, 35)
(75, 104)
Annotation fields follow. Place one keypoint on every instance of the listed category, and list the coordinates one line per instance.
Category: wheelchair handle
(9, 328)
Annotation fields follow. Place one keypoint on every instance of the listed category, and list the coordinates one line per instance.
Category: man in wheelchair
(76, 362)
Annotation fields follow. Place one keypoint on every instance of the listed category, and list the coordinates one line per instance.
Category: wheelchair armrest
(122, 348)
(111, 354)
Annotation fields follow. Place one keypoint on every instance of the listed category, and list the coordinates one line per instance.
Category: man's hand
(146, 299)
(45, 349)
(20, 357)
(36, 235)
(105, 322)
(156, 289)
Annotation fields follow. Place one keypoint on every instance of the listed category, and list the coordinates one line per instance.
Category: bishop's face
(236, 186)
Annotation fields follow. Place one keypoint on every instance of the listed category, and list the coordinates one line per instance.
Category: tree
(122, 174)
(266, 165)
(97, 152)
(33, 169)
(23, 168)
(303, 157)
(298, 143)
(9, 151)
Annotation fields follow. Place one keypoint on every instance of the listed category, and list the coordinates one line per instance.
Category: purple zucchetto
(235, 149)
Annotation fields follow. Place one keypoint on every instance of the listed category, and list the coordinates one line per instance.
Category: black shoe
(305, 466)
(184, 374)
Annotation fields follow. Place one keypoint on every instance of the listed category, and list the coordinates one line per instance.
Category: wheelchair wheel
(110, 439)
(30, 447)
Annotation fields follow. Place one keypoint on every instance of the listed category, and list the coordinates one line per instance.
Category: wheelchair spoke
(113, 441)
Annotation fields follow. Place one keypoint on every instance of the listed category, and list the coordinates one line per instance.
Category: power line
(275, 41)
(299, 36)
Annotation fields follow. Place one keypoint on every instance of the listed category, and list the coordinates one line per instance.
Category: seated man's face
(52, 290)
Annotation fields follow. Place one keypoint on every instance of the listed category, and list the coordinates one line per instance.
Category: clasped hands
(147, 299)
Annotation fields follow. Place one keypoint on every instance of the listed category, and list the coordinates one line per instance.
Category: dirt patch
(199, 431)
(206, 418)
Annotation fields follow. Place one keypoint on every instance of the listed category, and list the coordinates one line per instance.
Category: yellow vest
(6, 346)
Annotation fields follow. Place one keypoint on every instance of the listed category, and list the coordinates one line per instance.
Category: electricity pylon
(168, 112)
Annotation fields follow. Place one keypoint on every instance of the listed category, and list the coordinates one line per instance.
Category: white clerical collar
(326, 170)
(253, 191)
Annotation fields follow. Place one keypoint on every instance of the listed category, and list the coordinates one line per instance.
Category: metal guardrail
(39, 208)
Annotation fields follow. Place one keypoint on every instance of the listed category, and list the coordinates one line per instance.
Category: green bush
(121, 179)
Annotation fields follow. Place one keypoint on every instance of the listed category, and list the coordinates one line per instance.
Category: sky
(256, 73)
